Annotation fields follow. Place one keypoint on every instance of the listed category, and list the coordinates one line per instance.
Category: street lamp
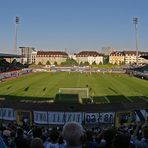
(15, 37)
(135, 21)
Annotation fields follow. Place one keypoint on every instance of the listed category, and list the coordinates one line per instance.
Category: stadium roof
(4, 55)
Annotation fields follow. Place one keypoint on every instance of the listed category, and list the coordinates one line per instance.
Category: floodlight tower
(135, 21)
(15, 37)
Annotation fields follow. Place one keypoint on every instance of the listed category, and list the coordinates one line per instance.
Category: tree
(69, 62)
(100, 63)
(39, 63)
(72, 62)
(55, 63)
(81, 63)
(106, 59)
(48, 63)
(94, 63)
(86, 63)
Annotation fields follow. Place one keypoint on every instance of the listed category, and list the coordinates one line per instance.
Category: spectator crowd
(73, 135)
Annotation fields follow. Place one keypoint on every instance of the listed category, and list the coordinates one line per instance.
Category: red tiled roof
(117, 53)
(87, 53)
(52, 53)
(134, 52)
(129, 52)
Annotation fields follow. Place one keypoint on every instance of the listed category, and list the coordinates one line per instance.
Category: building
(51, 56)
(33, 57)
(127, 57)
(144, 57)
(26, 54)
(73, 56)
(116, 57)
(130, 57)
(90, 57)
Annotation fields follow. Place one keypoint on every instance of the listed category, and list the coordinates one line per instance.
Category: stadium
(82, 95)
(48, 97)
(75, 74)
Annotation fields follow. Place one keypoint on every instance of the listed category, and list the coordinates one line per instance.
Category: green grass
(105, 88)
(107, 66)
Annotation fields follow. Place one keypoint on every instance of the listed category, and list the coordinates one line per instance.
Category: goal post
(82, 92)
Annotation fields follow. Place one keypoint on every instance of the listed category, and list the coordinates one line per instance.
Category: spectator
(90, 140)
(37, 132)
(108, 135)
(2, 143)
(121, 140)
(144, 141)
(6, 136)
(54, 135)
(20, 140)
(61, 142)
(72, 133)
(36, 143)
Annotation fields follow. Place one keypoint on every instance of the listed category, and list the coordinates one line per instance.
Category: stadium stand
(14, 65)
(140, 71)
(6, 66)
(74, 135)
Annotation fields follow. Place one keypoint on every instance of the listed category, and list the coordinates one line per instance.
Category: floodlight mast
(15, 37)
(135, 21)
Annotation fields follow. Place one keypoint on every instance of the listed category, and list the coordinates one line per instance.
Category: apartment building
(51, 56)
(127, 57)
(116, 57)
(90, 57)
(26, 54)
(33, 57)
(130, 57)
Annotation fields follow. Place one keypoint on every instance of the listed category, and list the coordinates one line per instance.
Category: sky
(73, 25)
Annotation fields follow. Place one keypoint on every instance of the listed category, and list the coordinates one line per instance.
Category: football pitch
(103, 88)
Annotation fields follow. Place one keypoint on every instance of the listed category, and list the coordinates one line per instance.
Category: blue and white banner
(141, 115)
(63, 117)
(7, 114)
(40, 117)
(73, 116)
(60, 118)
(56, 118)
(94, 118)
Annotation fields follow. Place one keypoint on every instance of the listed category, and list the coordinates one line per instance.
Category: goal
(81, 92)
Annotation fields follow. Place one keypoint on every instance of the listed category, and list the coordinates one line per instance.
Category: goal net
(81, 92)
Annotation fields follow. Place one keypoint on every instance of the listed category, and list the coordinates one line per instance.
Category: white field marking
(106, 99)
(128, 98)
(143, 98)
